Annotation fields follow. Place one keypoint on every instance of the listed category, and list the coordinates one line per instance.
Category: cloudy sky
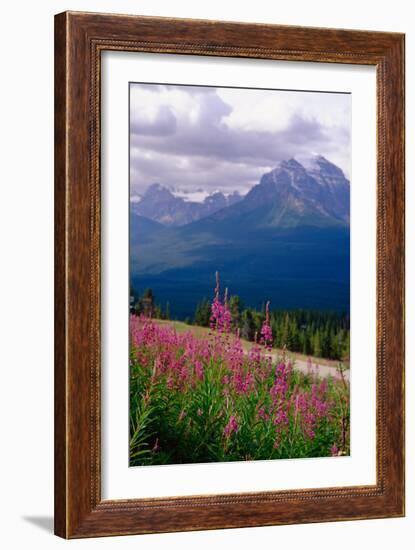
(192, 137)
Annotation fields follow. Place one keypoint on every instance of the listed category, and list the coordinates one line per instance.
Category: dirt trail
(323, 371)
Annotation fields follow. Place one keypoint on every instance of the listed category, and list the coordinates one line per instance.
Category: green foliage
(236, 307)
(202, 313)
(148, 295)
(146, 305)
(317, 333)
(248, 325)
(176, 427)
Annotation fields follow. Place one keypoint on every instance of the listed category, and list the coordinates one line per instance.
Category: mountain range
(287, 240)
(175, 207)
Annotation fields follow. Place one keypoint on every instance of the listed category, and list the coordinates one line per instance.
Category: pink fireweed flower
(323, 387)
(262, 413)
(281, 422)
(220, 317)
(268, 364)
(321, 407)
(235, 355)
(199, 370)
(225, 380)
(309, 417)
(278, 390)
(266, 331)
(281, 417)
(184, 372)
(216, 316)
(242, 383)
(217, 288)
(334, 450)
(255, 357)
(231, 427)
(199, 412)
(309, 432)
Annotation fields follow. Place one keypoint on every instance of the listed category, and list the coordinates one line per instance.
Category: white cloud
(272, 110)
(147, 100)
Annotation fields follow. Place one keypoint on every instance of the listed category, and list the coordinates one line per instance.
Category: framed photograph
(229, 275)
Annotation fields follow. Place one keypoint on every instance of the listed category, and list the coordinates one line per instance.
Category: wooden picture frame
(79, 40)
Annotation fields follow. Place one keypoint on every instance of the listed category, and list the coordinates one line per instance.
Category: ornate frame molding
(79, 40)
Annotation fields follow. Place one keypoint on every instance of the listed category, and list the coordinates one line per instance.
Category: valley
(287, 240)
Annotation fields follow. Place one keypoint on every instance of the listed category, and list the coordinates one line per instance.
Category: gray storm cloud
(181, 136)
(165, 124)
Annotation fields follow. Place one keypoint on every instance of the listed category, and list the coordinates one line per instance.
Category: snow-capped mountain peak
(313, 191)
(174, 206)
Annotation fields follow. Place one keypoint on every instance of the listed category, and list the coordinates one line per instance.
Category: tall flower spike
(217, 285)
(217, 309)
(266, 331)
